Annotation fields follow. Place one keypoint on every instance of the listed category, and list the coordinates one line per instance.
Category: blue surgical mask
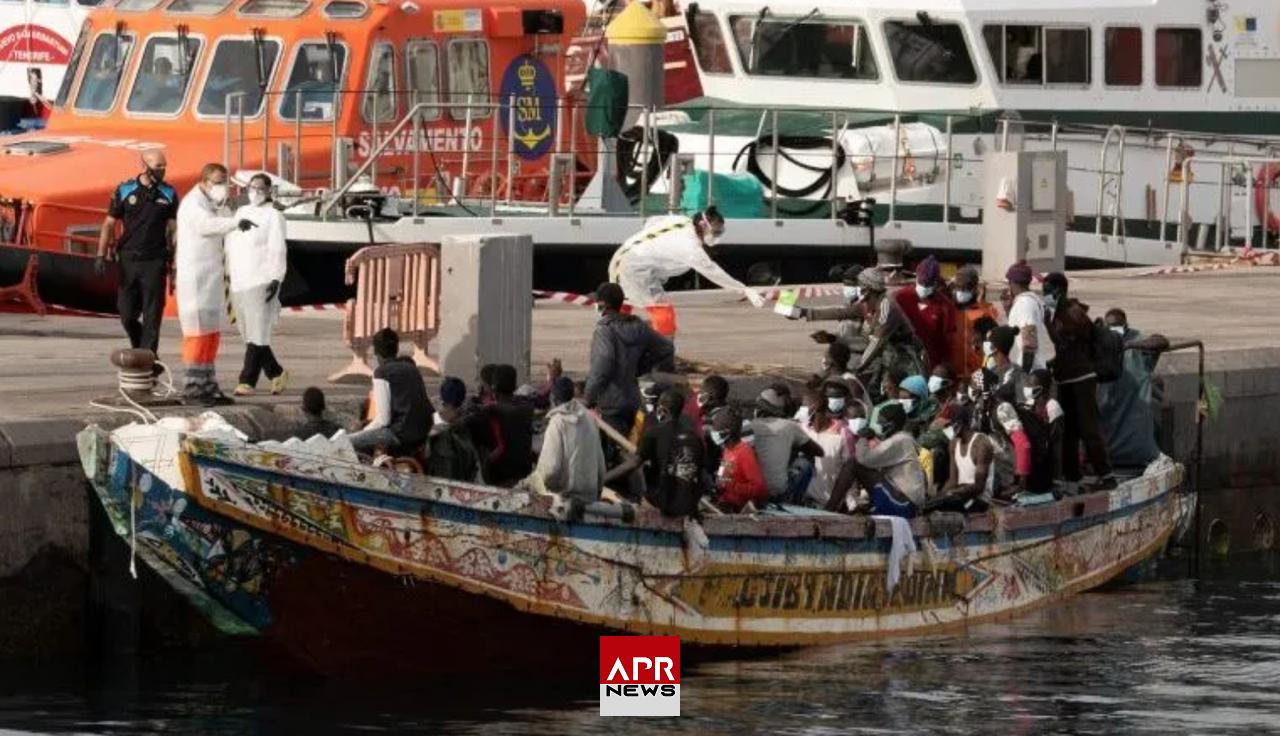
(950, 432)
(964, 297)
(936, 384)
(857, 424)
(1118, 329)
(719, 437)
(924, 292)
(1051, 301)
(988, 349)
(835, 404)
(907, 404)
(852, 293)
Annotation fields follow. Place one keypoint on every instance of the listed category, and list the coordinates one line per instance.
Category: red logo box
(639, 675)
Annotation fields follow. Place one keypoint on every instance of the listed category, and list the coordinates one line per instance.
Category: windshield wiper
(781, 34)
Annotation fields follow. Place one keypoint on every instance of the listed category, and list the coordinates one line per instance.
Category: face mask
(936, 384)
(1029, 394)
(718, 437)
(964, 297)
(702, 400)
(835, 404)
(973, 394)
(950, 432)
(1051, 301)
(257, 196)
(988, 349)
(218, 193)
(924, 292)
(156, 175)
(1118, 329)
(907, 404)
(650, 407)
(852, 293)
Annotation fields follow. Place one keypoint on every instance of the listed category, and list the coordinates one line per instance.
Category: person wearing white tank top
(970, 481)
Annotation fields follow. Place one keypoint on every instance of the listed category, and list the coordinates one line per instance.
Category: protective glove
(100, 266)
(273, 288)
(756, 298)
(245, 224)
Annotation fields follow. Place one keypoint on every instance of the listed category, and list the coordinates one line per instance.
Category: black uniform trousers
(140, 299)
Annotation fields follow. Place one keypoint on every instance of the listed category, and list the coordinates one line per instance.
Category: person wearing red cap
(1032, 349)
(932, 314)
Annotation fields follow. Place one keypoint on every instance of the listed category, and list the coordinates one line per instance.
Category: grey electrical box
(486, 303)
(1024, 211)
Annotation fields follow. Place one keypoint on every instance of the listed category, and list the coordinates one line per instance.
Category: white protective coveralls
(666, 247)
(255, 258)
(199, 286)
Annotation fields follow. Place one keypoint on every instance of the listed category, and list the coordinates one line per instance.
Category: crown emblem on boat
(527, 74)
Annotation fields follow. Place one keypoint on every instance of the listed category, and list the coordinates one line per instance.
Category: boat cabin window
(345, 9)
(1036, 55)
(708, 43)
(1179, 57)
(1124, 57)
(803, 47)
(73, 66)
(274, 8)
(313, 81)
(380, 89)
(935, 53)
(163, 76)
(88, 3)
(422, 76)
(468, 65)
(197, 7)
(136, 6)
(107, 63)
(239, 67)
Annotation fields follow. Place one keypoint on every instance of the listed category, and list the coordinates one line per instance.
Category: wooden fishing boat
(340, 563)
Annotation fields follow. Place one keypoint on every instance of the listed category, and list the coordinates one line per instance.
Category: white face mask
(218, 193)
(852, 293)
(257, 196)
(936, 384)
(650, 407)
(857, 424)
(835, 404)
(711, 240)
(964, 297)
(1118, 329)
(924, 292)
(907, 404)
(1029, 394)
(950, 432)
(988, 349)
(718, 437)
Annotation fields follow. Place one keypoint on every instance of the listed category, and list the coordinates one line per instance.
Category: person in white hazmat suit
(667, 247)
(203, 220)
(256, 265)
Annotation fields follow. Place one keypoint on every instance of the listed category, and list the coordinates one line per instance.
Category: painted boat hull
(328, 560)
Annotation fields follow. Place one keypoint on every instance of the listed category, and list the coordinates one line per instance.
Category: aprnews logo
(639, 675)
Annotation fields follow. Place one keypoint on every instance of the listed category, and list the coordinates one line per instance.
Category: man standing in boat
(147, 207)
(667, 247)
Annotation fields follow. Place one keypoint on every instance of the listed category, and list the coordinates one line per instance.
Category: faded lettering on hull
(819, 594)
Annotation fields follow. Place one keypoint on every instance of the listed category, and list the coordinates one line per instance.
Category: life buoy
(1263, 184)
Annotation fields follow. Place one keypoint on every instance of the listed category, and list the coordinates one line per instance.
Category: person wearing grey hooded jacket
(571, 462)
(622, 348)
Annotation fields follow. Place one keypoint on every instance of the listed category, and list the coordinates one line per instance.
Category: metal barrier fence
(397, 286)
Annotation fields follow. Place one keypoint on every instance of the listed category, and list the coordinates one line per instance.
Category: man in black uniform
(148, 208)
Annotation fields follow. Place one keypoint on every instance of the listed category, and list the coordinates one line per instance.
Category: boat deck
(52, 367)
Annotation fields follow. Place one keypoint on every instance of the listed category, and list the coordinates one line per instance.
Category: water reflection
(1159, 658)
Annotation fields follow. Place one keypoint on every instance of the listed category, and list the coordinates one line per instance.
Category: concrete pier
(51, 368)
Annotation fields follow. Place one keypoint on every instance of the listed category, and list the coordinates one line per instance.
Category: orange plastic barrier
(397, 286)
(25, 291)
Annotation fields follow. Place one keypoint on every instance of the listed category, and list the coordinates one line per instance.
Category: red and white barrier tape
(805, 292)
(569, 297)
(317, 307)
(1247, 258)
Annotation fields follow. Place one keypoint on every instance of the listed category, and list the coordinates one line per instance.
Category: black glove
(244, 225)
(273, 288)
(100, 266)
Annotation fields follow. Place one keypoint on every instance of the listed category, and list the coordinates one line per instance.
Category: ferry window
(274, 8)
(708, 43)
(468, 65)
(422, 75)
(1124, 57)
(934, 53)
(73, 66)
(107, 62)
(380, 89)
(1066, 56)
(1179, 57)
(316, 74)
(234, 70)
(1016, 53)
(163, 76)
(197, 7)
(798, 47)
(345, 9)
(136, 6)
